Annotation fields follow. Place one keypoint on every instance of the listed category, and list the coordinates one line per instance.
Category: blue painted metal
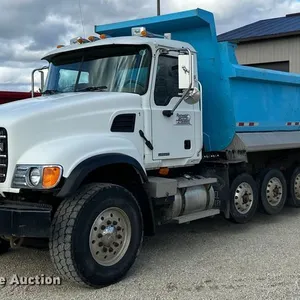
(231, 93)
(264, 28)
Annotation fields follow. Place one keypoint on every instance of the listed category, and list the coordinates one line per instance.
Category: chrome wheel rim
(297, 187)
(110, 236)
(243, 198)
(274, 191)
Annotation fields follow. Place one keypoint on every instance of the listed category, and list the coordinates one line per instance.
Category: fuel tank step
(196, 216)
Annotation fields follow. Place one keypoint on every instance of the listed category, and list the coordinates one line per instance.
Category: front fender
(71, 151)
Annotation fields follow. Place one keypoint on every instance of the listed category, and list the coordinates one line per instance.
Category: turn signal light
(144, 33)
(164, 171)
(51, 176)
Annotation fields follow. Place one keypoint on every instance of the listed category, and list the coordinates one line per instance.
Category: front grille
(3, 154)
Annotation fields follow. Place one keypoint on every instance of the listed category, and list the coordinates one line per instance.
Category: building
(270, 44)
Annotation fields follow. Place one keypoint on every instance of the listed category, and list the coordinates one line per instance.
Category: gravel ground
(207, 259)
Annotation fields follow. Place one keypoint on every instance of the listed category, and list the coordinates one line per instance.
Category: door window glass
(166, 84)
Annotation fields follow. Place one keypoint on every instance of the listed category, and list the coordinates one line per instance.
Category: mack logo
(1, 147)
(183, 119)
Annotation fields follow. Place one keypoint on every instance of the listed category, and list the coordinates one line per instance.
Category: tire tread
(61, 231)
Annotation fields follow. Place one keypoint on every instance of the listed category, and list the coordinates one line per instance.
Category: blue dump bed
(235, 98)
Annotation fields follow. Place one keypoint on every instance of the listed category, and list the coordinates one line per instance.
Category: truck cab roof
(124, 40)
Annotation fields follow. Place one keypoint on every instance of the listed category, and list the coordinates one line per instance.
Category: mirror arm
(169, 113)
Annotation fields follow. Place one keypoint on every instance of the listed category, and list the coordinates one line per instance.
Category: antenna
(158, 7)
(81, 17)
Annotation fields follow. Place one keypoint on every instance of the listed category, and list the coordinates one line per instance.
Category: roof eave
(264, 37)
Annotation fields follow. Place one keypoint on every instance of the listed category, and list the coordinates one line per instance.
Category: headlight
(37, 176)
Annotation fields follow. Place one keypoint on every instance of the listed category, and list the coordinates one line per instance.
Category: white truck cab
(99, 98)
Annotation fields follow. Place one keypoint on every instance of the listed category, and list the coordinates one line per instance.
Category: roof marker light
(142, 32)
(60, 46)
(79, 40)
(139, 31)
(93, 38)
(104, 36)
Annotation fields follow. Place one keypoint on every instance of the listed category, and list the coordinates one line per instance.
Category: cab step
(196, 216)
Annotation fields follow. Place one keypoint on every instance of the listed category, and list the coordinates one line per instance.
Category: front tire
(96, 235)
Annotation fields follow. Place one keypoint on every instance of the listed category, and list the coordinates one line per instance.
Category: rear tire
(243, 198)
(273, 191)
(294, 188)
(96, 235)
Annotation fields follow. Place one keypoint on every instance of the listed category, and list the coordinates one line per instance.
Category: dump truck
(148, 122)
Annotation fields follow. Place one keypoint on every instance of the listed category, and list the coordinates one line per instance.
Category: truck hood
(79, 119)
(17, 111)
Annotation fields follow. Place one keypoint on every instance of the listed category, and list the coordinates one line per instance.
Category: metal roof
(270, 28)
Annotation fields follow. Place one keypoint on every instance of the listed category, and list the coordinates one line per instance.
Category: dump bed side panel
(272, 105)
(264, 100)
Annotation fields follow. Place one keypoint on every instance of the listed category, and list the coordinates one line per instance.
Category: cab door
(173, 137)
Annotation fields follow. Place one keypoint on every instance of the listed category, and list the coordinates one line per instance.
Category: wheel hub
(274, 191)
(110, 236)
(243, 198)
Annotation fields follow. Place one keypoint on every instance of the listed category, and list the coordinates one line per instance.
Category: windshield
(112, 69)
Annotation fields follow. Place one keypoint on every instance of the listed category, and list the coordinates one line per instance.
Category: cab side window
(166, 84)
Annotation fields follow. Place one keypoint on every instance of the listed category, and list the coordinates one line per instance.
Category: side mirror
(42, 79)
(186, 80)
(184, 71)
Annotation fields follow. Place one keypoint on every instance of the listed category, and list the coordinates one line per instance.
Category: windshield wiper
(93, 88)
(50, 92)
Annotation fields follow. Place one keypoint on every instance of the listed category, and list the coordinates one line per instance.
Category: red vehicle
(9, 96)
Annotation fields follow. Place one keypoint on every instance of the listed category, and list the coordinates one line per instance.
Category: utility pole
(158, 7)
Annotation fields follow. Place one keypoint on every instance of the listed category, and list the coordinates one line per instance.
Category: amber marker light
(51, 177)
(164, 171)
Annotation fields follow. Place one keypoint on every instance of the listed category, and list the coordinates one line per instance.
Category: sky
(31, 28)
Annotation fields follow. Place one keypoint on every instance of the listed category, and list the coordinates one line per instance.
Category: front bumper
(25, 219)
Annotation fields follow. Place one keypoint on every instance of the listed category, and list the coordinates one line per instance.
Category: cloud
(30, 28)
